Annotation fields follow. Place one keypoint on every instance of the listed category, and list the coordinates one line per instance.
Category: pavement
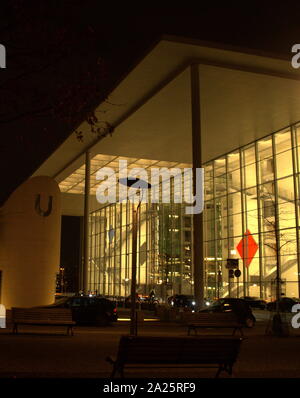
(46, 352)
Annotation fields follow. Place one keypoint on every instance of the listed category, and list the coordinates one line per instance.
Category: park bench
(204, 320)
(173, 352)
(42, 316)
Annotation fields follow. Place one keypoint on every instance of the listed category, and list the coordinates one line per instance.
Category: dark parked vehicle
(182, 300)
(89, 310)
(146, 302)
(239, 306)
(255, 302)
(285, 304)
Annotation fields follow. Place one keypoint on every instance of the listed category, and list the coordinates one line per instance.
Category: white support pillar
(85, 274)
(198, 258)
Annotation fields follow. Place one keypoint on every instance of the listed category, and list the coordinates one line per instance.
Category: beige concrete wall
(30, 244)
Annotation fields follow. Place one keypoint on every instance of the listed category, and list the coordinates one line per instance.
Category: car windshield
(189, 298)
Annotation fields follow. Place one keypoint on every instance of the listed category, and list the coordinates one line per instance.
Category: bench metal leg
(219, 371)
(117, 369)
(15, 328)
(70, 331)
(113, 371)
(240, 330)
(226, 368)
(191, 328)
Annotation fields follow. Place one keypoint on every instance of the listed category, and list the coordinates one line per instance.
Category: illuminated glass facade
(251, 213)
(164, 250)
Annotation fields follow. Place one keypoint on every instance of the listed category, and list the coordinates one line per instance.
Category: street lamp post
(133, 314)
(141, 185)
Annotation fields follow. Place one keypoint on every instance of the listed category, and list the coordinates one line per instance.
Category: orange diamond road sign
(247, 248)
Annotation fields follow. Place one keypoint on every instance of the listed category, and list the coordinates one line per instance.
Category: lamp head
(135, 183)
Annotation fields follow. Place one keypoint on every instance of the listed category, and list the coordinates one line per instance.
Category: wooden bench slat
(227, 320)
(146, 350)
(42, 316)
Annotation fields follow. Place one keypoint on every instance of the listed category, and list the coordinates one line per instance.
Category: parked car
(285, 304)
(255, 302)
(89, 310)
(182, 300)
(145, 301)
(239, 306)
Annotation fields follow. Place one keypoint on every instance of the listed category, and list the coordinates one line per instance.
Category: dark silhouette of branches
(54, 67)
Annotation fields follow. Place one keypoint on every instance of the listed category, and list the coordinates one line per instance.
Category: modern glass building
(186, 104)
(251, 214)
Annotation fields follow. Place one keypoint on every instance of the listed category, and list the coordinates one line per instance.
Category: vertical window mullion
(215, 228)
(259, 214)
(228, 222)
(277, 236)
(242, 178)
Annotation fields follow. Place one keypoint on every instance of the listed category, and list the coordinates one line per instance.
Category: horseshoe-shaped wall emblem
(38, 209)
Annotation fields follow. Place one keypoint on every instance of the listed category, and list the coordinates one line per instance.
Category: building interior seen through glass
(163, 256)
(251, 213)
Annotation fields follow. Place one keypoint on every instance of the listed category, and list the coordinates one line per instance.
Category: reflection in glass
(253, 205)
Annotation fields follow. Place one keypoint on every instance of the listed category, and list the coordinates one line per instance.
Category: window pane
(265, 149)
(220, 166)
(249, 155)
(282, 141)
(233, 161)
(235, 225)
(220, 185)
(209, 210)
(234, 181)
(234, 203)
(284, 164)
(286, 204)
(251, 210)
(250, 175)
(266, 170)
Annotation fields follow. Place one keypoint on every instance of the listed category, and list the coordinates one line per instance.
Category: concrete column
(198, 259)
(30, 225)
(85, 274)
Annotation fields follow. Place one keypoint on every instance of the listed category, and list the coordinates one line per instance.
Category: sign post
(232, 264)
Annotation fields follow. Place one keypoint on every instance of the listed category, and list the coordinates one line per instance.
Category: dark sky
(54, 46)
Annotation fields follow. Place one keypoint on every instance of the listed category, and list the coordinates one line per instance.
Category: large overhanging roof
(248, 91)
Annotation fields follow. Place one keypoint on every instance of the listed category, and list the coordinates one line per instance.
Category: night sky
(56, 48)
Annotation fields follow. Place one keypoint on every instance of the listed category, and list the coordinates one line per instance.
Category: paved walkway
(46, 352)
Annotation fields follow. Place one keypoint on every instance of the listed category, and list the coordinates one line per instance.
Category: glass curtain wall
(252, 214)
(163, 255)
